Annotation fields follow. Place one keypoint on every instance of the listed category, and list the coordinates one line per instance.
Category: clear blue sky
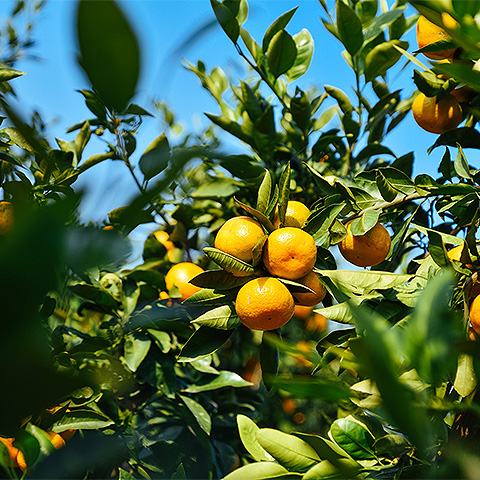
(50, 85)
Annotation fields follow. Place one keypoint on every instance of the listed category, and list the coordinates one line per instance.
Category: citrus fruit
(472, 334)
(6, 217)
(238, 236)
(428, 33)
(436, 117)
(317, 323)
(180, 276)
(12, 451)
(295, 215)
(290, 253)
(368, 249)
(56, 439)
(463, 94)
(264, 304)
(289, 405)
(312, 281)
(303, 312)
(67, 434)
(475, 314)
(163, 237)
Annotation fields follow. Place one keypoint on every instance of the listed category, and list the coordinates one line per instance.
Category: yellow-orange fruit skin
(264, 304)
(56, 439)
(366, 250)
(312, 281)
(436, 117)
(238, 236)
(295, 215)
(289, 253)
(12, 451)
(302, 312)
(6, 217)
(474, 314)
(463, 94)
(317, 323)
(428, 33)
(180, 276)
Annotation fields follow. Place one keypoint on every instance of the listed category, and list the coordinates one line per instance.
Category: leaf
(216, 188)
(384, 187)
(341, 98)
(325, 448)
(201, 415)
(247, 430)
(80, 419)
(323, 470)
(109, 51)
(304, 43)
(289, 451)
(203, 343)
(257, 471)
(229, 263)
(465, 379)
(281, 54)
(136, 347)
(17, 138)
(210, 297)
(223, 318)
(94, 294)
(381, 22)
(320, 221)
(381, 58)
(365, 222)
(223, 379)
(7, 74)
(349, 28)
(155, 158)
(461, 166)
(467, 137)
(353, 437)
(218, 280)
(279, 24)
(308, 387)
(284, 192)
(264, 192)
(264, 220)
(227, 20)
(427, 82)
(269, 361)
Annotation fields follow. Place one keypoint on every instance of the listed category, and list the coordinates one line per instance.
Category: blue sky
(162, 25)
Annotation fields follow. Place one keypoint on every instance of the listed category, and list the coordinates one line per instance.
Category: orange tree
(158, 379)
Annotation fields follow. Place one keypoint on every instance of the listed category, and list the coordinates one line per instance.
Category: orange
(22, 464)
(317, 323)
(238, 236)
(303, 312)
(475, 314)
(264, 304)
(67, 434)
(56, 439)
(163, 237)
(295, 216)
(463, 94)
(428, 33)
(436, 117)
(12, 451)
(455, 253)
(368, 249)
(312, 281)
(6, 217)
(289, 405)
(180, 276)
(290, 253)
(472, 334)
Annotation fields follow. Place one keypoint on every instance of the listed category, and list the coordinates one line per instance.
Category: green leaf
(95, 295)
(252, 46)
(155, 158)
(203, 343)
(467, 137)
(79, 419)
(349, 28)
(279, 24)
(365, 222)
(264, 192)
(232, 127)
(308, 387)
(217, 188)
(282, 52)
(461, 165)
(210, 297)
(136, 347)
(381, 58)
(304, 43)
(323, 470)
(17, 138)
(319, 223)
(223, 379)
(7, 74)
(341, 98)
(325, 448)
(465, 379)
(288, 450)
(263, 219)
(227, 20)
(201, 415)
(229, 263)
(257, 471)
(223, 318)
(387, 191)
(353, 437)
(427, 82)
(219, 280)
(109, 51)
(284, 192)
(247, 430)
(381, 22)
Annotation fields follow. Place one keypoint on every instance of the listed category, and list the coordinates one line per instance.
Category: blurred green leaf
(7, 74)
(269, 359)
(155, 158)
(281, 54)
(109, 51)
(264, 192)
(341, 98)
(382, 21)
(219, 280)
(305, 387)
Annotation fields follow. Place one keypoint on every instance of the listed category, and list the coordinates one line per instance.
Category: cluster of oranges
(438, 115)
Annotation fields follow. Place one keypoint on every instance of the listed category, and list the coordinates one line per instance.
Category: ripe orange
(290, 253)
(238, 236)
(295, 216)
(368, 249)
(12, 451)
(67, 434)
(463, 94)
(472, 334)
(56, 439)
(303, 312)
(317, 323)
(163, 237)
(428, 33)
(289, 405)
(311, 280)
(474, 314)
(436, 117)
(180, 276)
(264, 304)
(6, 217)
